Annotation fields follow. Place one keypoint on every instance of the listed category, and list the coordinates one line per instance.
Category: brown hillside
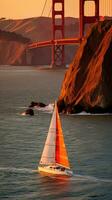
(39, 29)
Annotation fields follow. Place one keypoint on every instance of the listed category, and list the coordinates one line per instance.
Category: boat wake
(82, 178)
(75, 177)
(90, 178)
(17, 170)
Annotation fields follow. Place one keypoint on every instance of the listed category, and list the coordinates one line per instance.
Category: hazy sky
(33, 8)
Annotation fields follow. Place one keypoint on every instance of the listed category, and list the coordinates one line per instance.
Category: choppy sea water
(88, 139)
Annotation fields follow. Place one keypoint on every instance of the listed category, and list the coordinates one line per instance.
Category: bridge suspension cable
(43, 8)
(50, 11)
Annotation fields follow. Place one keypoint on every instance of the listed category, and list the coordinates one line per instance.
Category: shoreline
(44, 67)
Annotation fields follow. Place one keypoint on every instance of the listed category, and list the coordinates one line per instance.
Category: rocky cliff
(87, 85)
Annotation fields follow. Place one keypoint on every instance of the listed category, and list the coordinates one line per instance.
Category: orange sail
(61, 153)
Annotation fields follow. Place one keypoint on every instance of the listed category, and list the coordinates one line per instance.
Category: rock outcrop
(37, 104)
(87, 85)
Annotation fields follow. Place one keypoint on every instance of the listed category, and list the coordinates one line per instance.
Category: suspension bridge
(57, 44)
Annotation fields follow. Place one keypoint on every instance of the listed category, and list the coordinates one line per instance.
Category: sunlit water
(88, 139)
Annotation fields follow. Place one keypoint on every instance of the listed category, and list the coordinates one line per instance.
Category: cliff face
(87, 85)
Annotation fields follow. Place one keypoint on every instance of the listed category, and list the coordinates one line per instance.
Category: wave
(85, 113)
(48, 108)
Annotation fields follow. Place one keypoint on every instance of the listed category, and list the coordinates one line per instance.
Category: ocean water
(88, 139)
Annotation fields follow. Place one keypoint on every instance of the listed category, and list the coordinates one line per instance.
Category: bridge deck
(54, 42)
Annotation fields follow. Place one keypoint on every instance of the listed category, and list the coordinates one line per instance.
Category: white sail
(54, 159)
(48, 155)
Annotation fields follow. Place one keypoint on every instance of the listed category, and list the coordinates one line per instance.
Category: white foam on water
(17, 170)
(95, 114)
(23, 107)
(23, 114)
(48, 108)
(89, 178)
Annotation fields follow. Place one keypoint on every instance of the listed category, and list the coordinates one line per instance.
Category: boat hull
(54, 171)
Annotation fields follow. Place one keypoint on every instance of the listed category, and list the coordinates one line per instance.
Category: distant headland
(12, 52)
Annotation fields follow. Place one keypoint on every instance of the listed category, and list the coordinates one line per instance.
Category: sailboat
(54, 159)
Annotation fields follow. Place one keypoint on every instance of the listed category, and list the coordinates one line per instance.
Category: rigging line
(43, 8)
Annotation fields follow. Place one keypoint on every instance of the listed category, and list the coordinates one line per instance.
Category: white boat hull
(54, 171)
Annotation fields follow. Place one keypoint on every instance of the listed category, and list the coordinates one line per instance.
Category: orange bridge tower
(58, 32)
(87, 19)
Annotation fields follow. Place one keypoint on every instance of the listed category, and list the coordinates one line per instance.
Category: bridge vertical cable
(109, 7)
(105, 7)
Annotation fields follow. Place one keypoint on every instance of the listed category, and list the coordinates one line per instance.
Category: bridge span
(54, 42)
(57, 57)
